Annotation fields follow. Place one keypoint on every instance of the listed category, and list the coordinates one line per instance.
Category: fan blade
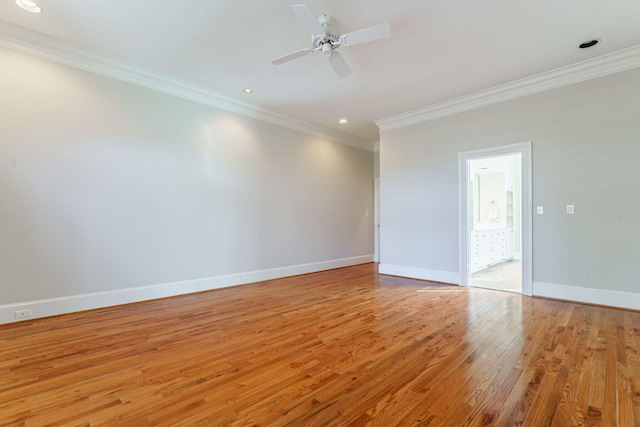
(377, 32)
(291, 56)
(339, 65)
(306, 15)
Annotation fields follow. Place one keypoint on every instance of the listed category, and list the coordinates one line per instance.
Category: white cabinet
(509, 210)
(511, 243)
(511, 234)
(488, 247)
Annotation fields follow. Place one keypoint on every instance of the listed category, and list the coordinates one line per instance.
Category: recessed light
(343, 121)
(247, 90)
(588, 44)
(29, 6)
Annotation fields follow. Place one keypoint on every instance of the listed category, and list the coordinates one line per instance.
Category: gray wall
(105, 185)
(585, 145)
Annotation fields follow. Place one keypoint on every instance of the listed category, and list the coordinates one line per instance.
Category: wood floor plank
(568, 412)
(632, 333)
(346, 347)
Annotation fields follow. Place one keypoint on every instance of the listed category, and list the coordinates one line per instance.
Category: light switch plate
(570, 210)
(540, 210)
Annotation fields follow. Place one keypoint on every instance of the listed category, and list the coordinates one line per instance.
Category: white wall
(106, 187)
(585, 143)
(492, 192)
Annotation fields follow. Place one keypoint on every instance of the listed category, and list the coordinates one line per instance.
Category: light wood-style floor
(339, 348)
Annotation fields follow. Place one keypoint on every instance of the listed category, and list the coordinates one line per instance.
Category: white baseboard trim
(619, 299)
(452, 277)
(74, 303)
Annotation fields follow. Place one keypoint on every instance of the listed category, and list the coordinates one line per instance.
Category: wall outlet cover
(22, 314)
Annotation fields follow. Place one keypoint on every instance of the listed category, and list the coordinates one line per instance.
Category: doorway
(495, 218)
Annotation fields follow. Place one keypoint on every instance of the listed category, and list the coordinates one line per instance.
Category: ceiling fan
(326, 39)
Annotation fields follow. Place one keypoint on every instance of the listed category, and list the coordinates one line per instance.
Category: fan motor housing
(318, 40)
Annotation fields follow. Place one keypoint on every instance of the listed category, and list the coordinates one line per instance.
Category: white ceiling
(439, 50)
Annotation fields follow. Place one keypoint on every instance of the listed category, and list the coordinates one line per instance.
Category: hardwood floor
(343, 348)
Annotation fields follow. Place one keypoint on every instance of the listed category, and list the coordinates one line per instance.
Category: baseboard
(610, 298)
(452, 277)
(81, 302)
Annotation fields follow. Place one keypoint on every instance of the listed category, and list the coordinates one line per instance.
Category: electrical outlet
(22, 314)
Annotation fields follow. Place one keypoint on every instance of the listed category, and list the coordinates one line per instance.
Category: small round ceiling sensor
(590, 43)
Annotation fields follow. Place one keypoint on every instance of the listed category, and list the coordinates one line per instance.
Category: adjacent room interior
(495, 222)
(208, 217)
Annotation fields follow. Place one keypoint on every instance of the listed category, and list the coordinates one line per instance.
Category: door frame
(376, 220)
(464, 160)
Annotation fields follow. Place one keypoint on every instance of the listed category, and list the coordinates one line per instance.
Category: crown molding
(46, 47)
(601, 66)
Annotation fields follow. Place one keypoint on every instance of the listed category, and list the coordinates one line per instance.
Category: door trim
(524, 148)
(376, 220)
